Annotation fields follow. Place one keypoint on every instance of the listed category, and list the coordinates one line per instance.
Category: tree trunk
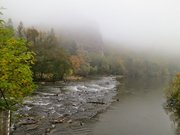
(4, 122)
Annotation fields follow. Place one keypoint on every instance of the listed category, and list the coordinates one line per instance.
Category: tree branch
(4, 98)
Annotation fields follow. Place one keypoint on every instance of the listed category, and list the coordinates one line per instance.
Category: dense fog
(149, 25)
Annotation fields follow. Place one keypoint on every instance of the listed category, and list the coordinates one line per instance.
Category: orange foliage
(76, 61)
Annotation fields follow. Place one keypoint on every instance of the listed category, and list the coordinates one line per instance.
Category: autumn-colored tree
(76, 62)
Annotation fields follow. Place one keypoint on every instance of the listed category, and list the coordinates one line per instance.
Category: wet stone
(54, 104)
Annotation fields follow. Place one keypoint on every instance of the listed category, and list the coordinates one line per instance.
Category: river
(139, 111)
(101, 106)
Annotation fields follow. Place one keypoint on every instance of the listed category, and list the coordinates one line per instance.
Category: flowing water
(61, 108)
(138, 112)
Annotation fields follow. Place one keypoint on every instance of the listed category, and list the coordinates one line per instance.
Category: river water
(138, 112)
(101, 106)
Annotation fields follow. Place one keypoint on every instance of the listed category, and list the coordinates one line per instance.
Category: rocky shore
(55, 105)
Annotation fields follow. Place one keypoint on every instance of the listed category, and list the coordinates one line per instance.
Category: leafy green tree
(15, 68)
(52, 61)
(59, 63)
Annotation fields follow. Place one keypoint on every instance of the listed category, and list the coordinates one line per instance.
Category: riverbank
(59, 104)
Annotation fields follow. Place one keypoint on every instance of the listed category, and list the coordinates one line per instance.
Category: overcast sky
(144, 23)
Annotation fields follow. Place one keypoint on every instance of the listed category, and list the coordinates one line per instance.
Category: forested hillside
(81, 51)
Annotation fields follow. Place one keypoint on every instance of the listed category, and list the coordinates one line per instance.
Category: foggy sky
(151, 24)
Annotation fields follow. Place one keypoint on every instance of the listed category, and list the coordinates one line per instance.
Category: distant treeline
(58, 57)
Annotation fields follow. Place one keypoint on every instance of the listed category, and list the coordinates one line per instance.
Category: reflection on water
(175, 118)
(138, 112)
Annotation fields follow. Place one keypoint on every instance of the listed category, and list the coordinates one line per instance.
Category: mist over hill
(85, 36)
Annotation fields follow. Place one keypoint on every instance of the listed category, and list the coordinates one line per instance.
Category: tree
(1, 21)
(31, 35)
(9, 23)
(15, 69)
(20, 30)
(173, 93)
(52, 61)
(60, 64)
